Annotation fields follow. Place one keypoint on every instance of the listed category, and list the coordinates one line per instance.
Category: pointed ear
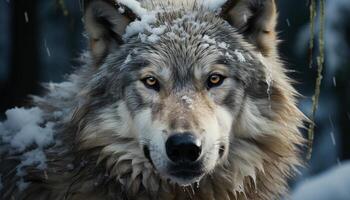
(105, 26)
(256, 20)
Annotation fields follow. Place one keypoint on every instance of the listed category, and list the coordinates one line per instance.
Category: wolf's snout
(183, 148)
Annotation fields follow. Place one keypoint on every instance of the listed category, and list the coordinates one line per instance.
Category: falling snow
(332, 132)
(288, 22)
(26, 17)
(47, 48)
(333, 138)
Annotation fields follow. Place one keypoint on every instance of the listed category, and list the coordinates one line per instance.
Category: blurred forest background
(40, 41)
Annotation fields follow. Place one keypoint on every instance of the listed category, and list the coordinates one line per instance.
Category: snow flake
(288, 22)
(26, 18)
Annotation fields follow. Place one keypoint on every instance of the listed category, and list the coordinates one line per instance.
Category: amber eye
(151, 82)
(215, 80)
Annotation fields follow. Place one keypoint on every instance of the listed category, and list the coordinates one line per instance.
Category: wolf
(175, 100)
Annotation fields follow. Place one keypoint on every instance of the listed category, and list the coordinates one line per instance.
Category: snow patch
(26, 128)
(223, 45)
(209, 40)
(188, 101)
(155, 32)
(139, 25)
(153, 38)
(228, 55)
(239, 56)
(142, 25)
(135, 6)
(158, 30)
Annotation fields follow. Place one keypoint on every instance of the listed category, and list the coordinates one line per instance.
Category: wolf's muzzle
(183, 148)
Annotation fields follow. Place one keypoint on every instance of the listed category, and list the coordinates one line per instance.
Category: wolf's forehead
(187, 37)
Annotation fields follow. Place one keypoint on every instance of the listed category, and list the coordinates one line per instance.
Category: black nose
(183, 147)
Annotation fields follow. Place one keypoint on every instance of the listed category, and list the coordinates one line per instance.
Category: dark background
(41, 39)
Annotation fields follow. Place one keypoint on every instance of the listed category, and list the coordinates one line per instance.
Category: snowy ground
(331, 185)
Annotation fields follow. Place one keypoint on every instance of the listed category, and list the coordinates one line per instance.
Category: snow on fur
(139, 25)
(239, 56)
(25, 128)
(148, 18)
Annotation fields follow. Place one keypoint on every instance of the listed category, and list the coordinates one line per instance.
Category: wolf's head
(198, 88)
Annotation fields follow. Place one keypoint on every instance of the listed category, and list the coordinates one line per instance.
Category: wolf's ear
(105, 26)
(256, 20)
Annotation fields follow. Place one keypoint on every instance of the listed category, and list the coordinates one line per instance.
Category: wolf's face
(182, 116)
(185, 90)
(184, 102)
